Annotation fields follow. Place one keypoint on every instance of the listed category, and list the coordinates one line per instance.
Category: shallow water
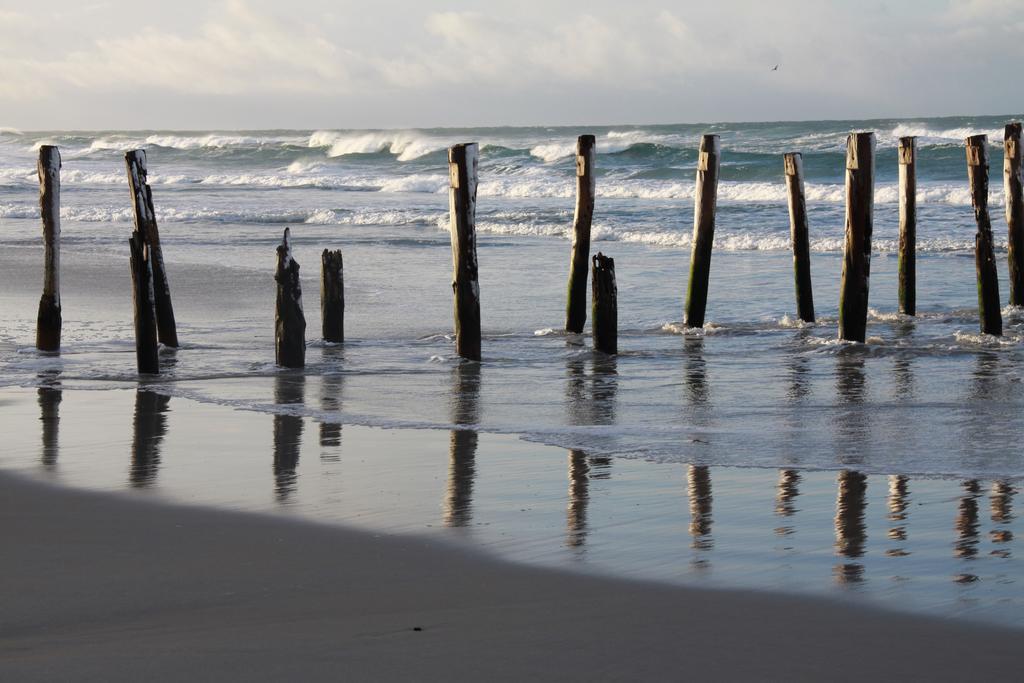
(929, 545)
(926, 398)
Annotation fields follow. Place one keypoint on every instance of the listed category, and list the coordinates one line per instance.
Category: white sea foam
(609, 143)
(947, 136)
(406, 146)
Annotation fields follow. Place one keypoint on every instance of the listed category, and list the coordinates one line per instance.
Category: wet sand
(107, 587)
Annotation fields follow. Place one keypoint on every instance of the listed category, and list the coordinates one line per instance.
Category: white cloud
(399, 62)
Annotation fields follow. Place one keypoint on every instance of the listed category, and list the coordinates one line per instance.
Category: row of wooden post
(154, 314)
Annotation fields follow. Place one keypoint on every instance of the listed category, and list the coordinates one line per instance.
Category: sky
(257, 64)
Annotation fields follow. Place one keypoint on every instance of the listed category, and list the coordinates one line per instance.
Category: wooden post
(794, 166)
(907, 265)
(145, 224)
(48, 321)
(462, 166)
(991, 317)
(705, 200)
(860, 205)
(332, 296)
(289, 321)
(146, 351)
(605, 302)
(576, 304)
(1012, 184)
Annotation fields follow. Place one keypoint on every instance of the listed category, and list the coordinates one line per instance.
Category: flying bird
(774, 68)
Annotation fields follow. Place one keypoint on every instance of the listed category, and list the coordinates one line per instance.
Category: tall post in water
(794, 166)
(462, 166)
(289, 321)
(907, 266)
(605, 302)
(576, 306)
(145, 224)
(989, 313)
(704, 202)
(147, 357)
(860, 204)
(1012, 183)
(332, 296)
(48, 322)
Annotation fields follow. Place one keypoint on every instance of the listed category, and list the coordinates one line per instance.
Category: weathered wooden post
(605, 303)
(576, 305)
(794, 167)
(332, 296)
(462, 165)
(48, 321)
(146, 350)
(289, 321)
(1012, 185)
(907, 266)
(860, 205)
(991, 317)
(704, 202)
(145, 224)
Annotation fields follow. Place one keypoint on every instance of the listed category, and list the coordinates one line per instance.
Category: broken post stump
(145, 224)
(705, 200)
(907, 267)
(289, 320)
(146, 350)
(332, 296)
(1012, 186)
(462, 165)
(48, 322)
(794, 167)
(576, 304)
(860, 204)
(990, 315)
(605, 324)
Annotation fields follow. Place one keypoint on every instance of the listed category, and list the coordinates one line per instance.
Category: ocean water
(925, 396)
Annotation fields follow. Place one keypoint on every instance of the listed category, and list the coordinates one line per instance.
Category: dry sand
(107, 587)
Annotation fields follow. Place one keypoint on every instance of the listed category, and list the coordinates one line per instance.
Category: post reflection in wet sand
(903, 374)
(966, 546)
(330, 402)
(851, 418)
(1001, 509)
(799, 368)
(149, 427)
(851, 531)
(579, 496)
(465, 410)
(898, 502)
(698, 488)
(785, 498)
(289, 389)
(695, 372)
(49, 417)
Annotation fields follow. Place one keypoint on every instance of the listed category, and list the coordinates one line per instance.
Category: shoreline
(103, 586)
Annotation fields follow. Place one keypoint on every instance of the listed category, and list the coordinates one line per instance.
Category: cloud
(400, 60)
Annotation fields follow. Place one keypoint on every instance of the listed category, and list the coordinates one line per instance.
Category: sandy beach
(100, 587)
